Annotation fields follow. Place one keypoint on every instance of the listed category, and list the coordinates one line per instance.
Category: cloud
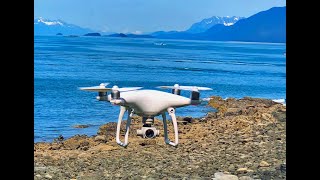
(137, 32)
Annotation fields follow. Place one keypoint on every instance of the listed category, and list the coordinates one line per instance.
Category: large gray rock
(222, 176)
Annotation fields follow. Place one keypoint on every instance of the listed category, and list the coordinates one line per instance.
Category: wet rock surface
(244, 139)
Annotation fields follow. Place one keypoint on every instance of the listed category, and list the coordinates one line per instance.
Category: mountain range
(265, 26)
(52, 27)
(207, 23)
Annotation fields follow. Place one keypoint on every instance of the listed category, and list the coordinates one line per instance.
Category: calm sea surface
(63, 64)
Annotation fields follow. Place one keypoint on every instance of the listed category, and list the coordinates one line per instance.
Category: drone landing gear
(122, 111)
(171, 112)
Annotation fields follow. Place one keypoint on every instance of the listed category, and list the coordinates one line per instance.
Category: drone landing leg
(165, 129)
(122, 111)
(171, 112)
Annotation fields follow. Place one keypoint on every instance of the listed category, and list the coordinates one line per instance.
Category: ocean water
(63, 64)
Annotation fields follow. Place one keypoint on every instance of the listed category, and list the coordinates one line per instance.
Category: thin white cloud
(137, 32)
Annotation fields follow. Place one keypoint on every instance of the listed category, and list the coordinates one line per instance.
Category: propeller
(195, 95)
(124, 89)
(188, 88)
(102, 88)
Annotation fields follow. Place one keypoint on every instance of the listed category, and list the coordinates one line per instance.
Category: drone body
(148, 104)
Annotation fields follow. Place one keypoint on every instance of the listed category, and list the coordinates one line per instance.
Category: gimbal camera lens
(149, 133)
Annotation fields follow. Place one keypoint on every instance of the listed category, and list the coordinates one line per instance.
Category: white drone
(148, 104)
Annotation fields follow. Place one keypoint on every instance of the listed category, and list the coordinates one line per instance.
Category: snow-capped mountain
(52, 27)
(207, 23)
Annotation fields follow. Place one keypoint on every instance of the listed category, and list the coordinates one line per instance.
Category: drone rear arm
(121, 114)
(171, 112)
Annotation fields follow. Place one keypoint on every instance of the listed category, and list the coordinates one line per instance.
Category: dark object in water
(81, 126)
(92, 34)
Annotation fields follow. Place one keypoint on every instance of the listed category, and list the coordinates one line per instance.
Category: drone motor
(176, 89)
(195, 95)
(102, 96)
(115, 93)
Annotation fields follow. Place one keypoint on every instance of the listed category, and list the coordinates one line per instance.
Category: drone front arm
(171, 112)
(165, 129)
(121, 114)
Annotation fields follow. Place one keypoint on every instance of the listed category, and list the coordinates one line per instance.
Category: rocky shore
(245, 139)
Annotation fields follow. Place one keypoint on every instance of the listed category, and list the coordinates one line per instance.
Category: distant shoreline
(156, 39)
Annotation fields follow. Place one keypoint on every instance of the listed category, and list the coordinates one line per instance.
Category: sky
(145, 16)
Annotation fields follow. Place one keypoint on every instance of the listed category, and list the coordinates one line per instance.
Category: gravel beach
(245, 139)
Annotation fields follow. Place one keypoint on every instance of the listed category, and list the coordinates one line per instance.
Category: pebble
(244, 170)
(48, 176)
(264, 164)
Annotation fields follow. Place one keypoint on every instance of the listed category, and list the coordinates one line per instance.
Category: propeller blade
(96, 89)
(100, 88)
(188, 88)
(104, 84)
(129, 89)
(165, 87)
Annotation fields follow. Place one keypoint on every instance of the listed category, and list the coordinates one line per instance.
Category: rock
(266, 102)
(109, 130)
(244, 170)
(103, 147)
(211, 115)
(233, 112)
(264, 164)
(48, 176)
(100, 138)
(55, 147)
(222, 176)
(188, 119)
(218, 174)
(231, 168)
(40, 168)
(38, 176)
(81, 126)
(77, 142)
(60, 138)
(279, 115)
(245, 178)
